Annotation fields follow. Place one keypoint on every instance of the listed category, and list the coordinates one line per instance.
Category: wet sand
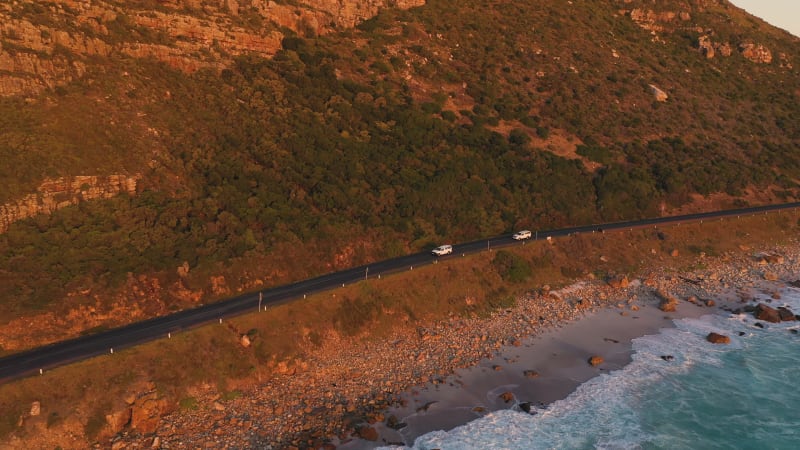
(559, 356)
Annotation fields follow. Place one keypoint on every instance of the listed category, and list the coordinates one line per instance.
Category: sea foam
(739, 395)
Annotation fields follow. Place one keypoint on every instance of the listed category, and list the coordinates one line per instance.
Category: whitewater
(679, 391)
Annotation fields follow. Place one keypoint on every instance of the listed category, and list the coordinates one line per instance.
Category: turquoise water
(744, 395)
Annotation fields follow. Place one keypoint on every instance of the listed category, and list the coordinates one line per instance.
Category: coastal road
(33, 361)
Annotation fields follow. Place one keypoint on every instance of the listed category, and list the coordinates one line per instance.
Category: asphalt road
(32, 361)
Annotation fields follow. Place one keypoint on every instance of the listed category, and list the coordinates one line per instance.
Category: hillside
(157, 154)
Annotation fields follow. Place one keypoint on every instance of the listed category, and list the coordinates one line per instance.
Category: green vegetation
(189, 403)
(511, 267)
(350, 140)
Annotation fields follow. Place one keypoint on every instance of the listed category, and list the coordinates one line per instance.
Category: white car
(521, 235)
(442, 250)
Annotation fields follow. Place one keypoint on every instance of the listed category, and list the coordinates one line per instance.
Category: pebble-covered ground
(343, 388)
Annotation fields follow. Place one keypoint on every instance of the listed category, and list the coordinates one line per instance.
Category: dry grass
(80, 393)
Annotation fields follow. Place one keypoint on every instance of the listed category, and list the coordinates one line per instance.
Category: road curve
(32, 361)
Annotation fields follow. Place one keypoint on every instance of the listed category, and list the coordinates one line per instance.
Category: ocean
(743, 395)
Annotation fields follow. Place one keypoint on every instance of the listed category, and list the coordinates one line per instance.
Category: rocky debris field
(343, 388)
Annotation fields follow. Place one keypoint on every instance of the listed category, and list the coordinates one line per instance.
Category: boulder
(368, 433)
(658, 94)
(36, 408)
(668, 303)
(716, 338)
(724, 49)
(618, 282)
(756, 53)
(245, 341)
(530, 374)
(785, 314)
(667, 357)
(146, 412)
(118, 419)
(706, 47)
(506, 396)
(393, 423)
(596, 360)
(766, 313)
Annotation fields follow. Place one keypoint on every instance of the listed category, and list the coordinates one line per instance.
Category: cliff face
(683, 16)
(46, 45)
(55, 194)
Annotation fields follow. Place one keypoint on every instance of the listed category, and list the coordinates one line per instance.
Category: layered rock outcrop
(756, 53)
(46, 45)
(55, 194)
(657, 22)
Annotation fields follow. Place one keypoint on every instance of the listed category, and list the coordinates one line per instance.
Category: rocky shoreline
(341, 392)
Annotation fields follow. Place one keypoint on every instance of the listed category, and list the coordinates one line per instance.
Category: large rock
(507, 396)
(668, 303)
(786, 314)
(146, 412)
(368, 433)
(118, 419)
(596, 360)
(244, 340)
(618, 282)
(716, 338)
(756, 53)
(706, 47)
(766, 313)
(658, 93)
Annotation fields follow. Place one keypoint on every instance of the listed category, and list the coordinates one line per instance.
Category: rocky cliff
(46, 45)
(55, 194)
(659, 18)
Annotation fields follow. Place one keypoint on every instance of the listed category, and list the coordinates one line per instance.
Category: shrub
(511, 266)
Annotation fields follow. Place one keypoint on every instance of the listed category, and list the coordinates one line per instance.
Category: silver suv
(442, 250)
(520, 235)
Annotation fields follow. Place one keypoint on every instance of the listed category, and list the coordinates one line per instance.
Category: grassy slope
(351, 142)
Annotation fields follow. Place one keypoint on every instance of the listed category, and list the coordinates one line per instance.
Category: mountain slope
(448, 121)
